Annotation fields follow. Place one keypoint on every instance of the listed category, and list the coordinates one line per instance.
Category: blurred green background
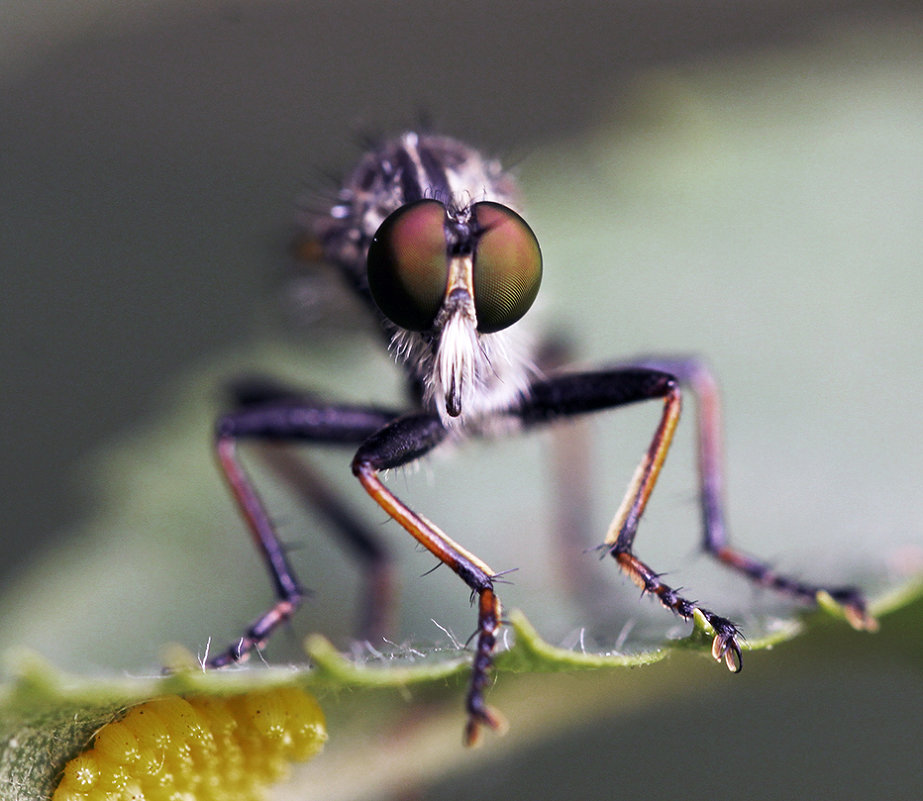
(745, 182)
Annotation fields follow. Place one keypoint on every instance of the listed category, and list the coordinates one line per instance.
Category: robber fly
(427, 234)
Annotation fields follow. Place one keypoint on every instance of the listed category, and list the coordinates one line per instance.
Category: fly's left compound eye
(408, 265)
(507, 267)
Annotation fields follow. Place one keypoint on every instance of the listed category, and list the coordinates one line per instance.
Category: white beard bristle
(455, 369)
(490, 372)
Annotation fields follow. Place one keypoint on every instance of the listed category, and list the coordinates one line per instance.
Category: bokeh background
(742, 181)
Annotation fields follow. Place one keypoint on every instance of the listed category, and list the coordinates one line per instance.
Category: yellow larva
(197, 749)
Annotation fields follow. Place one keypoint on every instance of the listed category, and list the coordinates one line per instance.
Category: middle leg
(286, 419)
(378, 605)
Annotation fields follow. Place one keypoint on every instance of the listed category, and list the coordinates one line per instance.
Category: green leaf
(47, 717)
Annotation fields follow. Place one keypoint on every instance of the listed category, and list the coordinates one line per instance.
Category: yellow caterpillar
(201, 748)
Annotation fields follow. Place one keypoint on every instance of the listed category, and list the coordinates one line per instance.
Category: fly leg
(694, 373)
(378, 604)
(399, 443)
(286, 419)
(574, 394)
(570, 451)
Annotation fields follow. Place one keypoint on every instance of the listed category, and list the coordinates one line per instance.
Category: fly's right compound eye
(408, 265)
(507, 267)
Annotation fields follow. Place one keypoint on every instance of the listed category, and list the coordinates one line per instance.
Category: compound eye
(507, 267)
(408, 265)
